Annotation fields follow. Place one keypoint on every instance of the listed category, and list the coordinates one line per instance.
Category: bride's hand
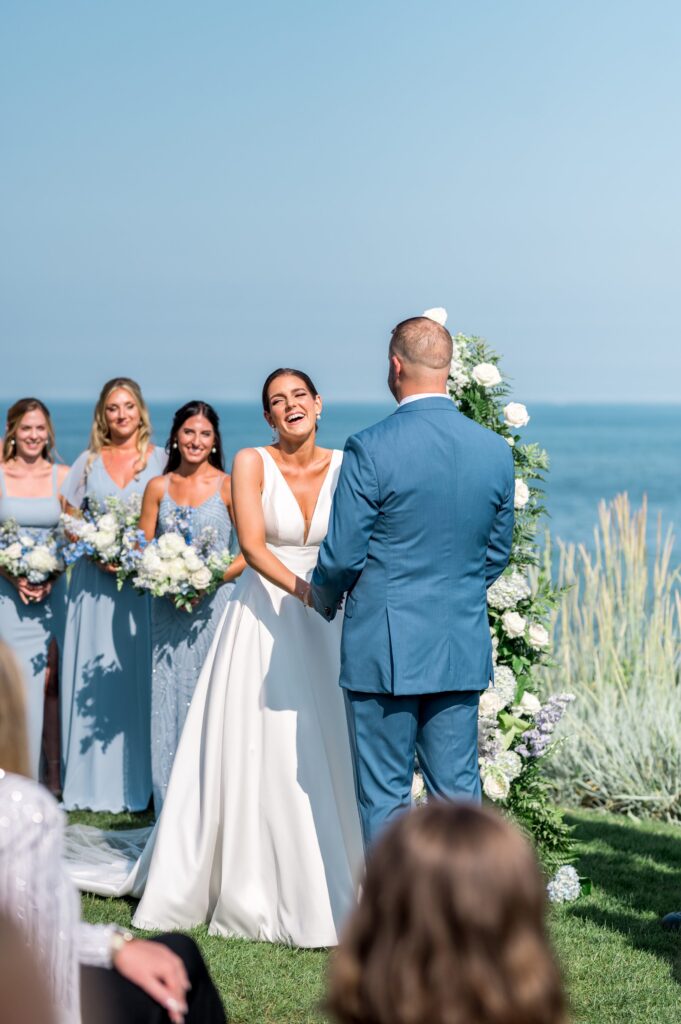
(303, 592)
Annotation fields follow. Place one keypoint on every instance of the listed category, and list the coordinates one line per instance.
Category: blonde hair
(100, 436)
(15, 415)
(13, 733)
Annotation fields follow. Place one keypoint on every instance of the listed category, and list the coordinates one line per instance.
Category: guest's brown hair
(450, 928)
(13, 732)
(15, 415)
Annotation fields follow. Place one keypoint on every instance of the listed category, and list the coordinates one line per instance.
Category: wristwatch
(121, 937)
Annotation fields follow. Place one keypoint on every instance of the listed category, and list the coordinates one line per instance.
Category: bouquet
(180, 566)
(107, 534)
(35, 557)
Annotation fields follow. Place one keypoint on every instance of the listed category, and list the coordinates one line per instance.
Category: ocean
(596, 451)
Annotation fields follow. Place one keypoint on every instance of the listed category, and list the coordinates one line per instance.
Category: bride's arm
(247, 485)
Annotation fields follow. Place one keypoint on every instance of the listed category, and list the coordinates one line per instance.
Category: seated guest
(25, 996)
(450, 928)
(135, 980)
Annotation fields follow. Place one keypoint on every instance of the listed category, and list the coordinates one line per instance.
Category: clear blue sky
(194, 193)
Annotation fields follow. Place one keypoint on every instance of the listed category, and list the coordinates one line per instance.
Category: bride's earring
(275, 435)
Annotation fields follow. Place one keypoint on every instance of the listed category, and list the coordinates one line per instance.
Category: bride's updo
(286, 371)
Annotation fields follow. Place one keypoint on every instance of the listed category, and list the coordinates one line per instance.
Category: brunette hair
(13, 730)
(286, 370)
(188, 410)
(100, 435)
(450, 928)
(15, 414)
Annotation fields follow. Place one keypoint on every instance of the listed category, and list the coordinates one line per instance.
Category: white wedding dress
(259, 835)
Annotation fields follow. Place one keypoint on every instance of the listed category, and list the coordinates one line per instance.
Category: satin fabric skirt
(259, 835)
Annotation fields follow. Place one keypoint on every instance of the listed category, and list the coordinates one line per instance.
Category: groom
(421, 526)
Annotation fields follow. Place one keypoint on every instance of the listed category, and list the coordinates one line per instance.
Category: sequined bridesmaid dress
(30, 628)
(181, 640)
(106, 667)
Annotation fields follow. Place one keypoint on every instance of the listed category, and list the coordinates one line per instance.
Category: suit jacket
(421, 526)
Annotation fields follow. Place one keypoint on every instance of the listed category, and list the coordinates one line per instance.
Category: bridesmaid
(106, 666)
(195, 485)
(32, 615)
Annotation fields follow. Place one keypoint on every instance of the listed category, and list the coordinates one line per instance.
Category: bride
(259, 835)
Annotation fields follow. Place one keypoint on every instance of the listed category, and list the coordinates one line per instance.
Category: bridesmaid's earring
(213, 449)
(174, 444)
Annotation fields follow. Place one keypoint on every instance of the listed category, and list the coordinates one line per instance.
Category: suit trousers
(108, 998)
(387, 731)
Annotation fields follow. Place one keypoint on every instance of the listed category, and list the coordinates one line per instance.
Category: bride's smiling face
(293, 410)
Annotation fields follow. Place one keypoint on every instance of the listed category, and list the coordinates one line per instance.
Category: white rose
(538, 636)
(529, 705)
(13, 551)
(522, 494)
(418, 788)
(107, 523)
(437, 313)
(192, 560)
(516, 415)
(40, 559)
(152, 565)
(201, 578)
(87, 531)
(491, 704)
(175, 569)
(170, 545)
(486, 374)
(104, 539)
(496, 786)
(27, 541)
(514, 624)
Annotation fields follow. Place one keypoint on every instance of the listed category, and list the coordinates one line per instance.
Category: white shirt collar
(423, 394)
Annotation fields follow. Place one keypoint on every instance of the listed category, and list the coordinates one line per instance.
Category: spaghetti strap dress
(30, 628)
(106, 667)
(180, 641)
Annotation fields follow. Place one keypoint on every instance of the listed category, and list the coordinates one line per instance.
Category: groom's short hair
(422, 341)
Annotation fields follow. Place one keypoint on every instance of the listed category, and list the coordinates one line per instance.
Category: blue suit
(421, 526)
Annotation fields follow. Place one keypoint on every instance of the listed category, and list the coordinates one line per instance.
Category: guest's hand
(157, 971)
(107, 568)
(29, 593)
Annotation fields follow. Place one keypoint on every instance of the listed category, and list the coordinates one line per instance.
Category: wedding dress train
(259, 835)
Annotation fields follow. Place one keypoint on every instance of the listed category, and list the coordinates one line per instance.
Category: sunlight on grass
(620, 967)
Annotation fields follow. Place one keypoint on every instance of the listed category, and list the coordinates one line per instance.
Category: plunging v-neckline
(295, 500)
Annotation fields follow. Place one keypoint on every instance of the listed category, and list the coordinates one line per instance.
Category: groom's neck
(410, 390)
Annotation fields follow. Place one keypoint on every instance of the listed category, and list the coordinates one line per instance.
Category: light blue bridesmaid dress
(180, 640)
(30, 628)
(106, 667)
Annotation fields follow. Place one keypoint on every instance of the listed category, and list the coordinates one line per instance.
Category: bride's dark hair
(188, 410)
(283, 371)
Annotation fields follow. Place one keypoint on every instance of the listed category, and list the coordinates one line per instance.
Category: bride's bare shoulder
(247, 462)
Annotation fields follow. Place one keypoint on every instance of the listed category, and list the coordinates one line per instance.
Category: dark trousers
(108, 998)
(386, 732)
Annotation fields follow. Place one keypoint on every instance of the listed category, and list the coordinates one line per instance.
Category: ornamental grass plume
(617, 647)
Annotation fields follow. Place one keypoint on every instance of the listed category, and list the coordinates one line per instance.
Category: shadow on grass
(636, 874)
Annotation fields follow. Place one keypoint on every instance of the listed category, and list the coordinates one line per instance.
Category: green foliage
(481, 394)
(530, 805)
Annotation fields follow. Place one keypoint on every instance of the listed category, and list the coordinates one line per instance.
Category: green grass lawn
(620, 967)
